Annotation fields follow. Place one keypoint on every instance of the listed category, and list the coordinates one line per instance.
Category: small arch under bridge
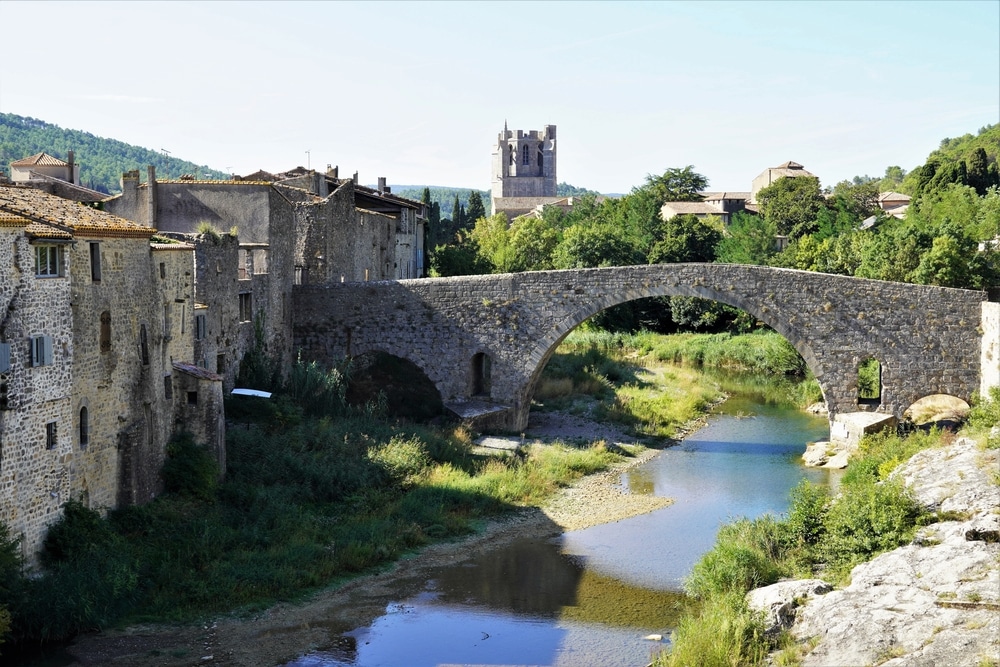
(489, 336)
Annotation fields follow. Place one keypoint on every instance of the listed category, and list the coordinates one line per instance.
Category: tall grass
(304, 504)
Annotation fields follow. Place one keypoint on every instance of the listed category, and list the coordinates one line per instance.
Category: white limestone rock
(779, 601)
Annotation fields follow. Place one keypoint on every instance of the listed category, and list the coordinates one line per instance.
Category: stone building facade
(95, 344)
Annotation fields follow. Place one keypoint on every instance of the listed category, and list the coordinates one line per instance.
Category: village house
(50, 174)
(96, 349)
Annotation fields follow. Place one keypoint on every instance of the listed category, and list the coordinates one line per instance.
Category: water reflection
(526, 603)
(589, 596)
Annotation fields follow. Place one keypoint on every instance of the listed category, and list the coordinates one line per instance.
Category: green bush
(745, 556)
(724, 632)
(805, 525)
(866, 520)
(190, 469)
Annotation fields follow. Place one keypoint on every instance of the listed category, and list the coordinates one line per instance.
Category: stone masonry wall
(926, 338)
(34, 477)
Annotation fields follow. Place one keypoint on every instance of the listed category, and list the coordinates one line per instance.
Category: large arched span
(547, 346)
(927, 339)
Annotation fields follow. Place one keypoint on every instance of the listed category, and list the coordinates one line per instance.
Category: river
(601, 596)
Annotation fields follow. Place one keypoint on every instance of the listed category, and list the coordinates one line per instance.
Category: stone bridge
(487, 338)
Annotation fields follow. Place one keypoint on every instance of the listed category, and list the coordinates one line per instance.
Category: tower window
(524, 155)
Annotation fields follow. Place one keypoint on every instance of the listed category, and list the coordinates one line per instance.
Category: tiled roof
(789, 165)
(696, 207)
(42, 159)
(714, 196)
(68, 216)
(196, 371)
(893, 196)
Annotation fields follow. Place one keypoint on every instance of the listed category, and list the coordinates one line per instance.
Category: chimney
(72, 167)
(381, 183)
(355, 178)
(151, 196)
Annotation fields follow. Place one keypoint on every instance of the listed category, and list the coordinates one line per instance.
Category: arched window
(481, 374)
(84, 428)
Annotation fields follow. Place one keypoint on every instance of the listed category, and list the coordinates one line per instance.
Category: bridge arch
(926, 338)
(548, 344)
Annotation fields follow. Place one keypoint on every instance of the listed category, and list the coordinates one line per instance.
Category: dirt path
(286, 631)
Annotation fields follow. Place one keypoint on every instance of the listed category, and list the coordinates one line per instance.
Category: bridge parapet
(492, 335)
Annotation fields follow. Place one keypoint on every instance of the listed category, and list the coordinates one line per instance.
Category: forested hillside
(101, 160)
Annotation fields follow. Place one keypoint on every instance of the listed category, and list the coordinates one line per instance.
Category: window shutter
(46, 350)
(4, 357)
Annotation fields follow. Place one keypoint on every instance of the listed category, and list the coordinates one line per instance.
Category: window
(246, 307)
(168, 387)
(105, 332)
(48, 261)
(84, 428)
(41, 350)
(143, 345)
(524, 155)
(220, 363)
(163, 270)
(95, 262)
(50, 435)
(200, 325)
(192, 397)
(482, 368)
(4, 357)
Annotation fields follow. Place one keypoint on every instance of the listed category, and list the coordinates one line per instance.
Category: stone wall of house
(181, 206)
(128, 326)
(926, 338)
(34, 470)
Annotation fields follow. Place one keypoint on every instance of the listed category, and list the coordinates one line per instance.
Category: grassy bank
(655, 384)
(307, 500)
(819, 536)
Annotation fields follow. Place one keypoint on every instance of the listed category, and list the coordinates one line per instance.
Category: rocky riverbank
(935, 601)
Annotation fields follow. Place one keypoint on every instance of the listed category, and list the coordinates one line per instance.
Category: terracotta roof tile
(70, 216)
(43, 159)
(196, 371)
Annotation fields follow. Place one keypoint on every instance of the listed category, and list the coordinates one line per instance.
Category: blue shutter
(4, 357)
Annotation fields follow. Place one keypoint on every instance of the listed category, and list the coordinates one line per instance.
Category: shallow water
(589, 597)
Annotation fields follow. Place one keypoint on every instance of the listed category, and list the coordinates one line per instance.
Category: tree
(676, 184)
(532, 240)
(749, 240)
(686, 238)
(493, 240)
(587, 246)
(792, 204)
(476, 210)
(944, 265)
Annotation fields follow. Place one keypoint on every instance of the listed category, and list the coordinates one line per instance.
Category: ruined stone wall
(34, 473)
(926, 338)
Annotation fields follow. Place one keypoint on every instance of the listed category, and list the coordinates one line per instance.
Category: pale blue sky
(417, 92)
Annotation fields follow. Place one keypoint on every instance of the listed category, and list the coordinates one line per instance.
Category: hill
(101, 160)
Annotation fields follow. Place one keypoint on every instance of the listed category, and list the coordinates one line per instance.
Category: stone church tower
(524, 164)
